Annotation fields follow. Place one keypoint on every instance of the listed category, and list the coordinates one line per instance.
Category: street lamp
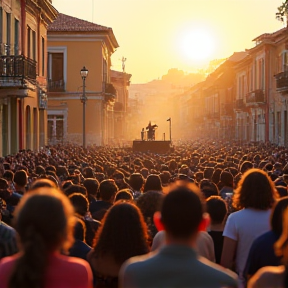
(84, 74)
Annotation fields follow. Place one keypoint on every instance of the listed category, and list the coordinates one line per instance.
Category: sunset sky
(156, 35)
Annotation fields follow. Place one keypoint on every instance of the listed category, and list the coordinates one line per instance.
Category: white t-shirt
(245, 226)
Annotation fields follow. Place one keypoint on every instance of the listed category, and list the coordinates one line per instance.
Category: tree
(282, 11)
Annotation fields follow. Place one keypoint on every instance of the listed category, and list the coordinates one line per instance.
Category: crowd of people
(207, 214)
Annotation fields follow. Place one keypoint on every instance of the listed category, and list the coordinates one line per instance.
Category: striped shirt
(8, 245)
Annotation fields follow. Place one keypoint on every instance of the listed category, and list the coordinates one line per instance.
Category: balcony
(56, 86)
(255, 97)
(282, 82)
(110, 93)
(239, 104)
(16, 70)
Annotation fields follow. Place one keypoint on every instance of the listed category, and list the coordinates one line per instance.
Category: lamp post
(84, 74)
(169, 119)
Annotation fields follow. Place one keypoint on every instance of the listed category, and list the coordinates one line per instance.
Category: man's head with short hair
(108, 190)
(21, 178)
(182, 211)
(217, 209)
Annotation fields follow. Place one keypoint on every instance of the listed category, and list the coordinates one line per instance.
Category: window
(33, 45)
(8, 33)
(1, 27)
(16, 37)
(28, 42)
(43, 55)
(56, 72)
(285, 61)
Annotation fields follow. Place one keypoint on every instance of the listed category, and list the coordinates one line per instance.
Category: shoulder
(218, 272)
(267, 276)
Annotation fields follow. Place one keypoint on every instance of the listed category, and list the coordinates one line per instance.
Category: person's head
(42, 182)
(227, 179)
(108, 190)
(136, 181)
(217, 209)
(208, 172)
(75, 188)
(80, 203)
(21, 178)
(245, 166)
(276, 219)
(255, 190)
(8, 175)
(123, 194)
(182, 212)
(4, 184)
(91, 185)
(208, 188)
(153, 183)
(123, 233)
(44, 222)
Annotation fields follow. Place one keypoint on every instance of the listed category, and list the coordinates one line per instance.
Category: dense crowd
(207, 214)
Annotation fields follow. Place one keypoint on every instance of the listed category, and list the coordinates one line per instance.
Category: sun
(197, 44)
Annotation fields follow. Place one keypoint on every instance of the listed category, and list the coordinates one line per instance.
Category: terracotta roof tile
(68, 23)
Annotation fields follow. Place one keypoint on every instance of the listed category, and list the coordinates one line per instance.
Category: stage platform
(160, 147)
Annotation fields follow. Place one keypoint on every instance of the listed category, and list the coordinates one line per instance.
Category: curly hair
(255, 190)
(123, 233)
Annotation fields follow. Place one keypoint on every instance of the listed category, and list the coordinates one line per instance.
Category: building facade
(72, 44)
(23, 86)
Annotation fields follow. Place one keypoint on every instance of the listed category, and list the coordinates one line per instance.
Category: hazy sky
(156, 35)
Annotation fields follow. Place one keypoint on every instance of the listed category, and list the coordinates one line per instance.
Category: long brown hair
(44, 222)
(123, 233)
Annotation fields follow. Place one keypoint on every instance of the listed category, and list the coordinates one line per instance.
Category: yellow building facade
(72, 44)
(23, 87)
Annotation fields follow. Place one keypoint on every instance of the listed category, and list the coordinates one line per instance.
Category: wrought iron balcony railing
(15, 69)
(282, 81)
(255, 97)
(56, 86)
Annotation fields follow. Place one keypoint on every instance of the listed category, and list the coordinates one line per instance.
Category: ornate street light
(83, 98)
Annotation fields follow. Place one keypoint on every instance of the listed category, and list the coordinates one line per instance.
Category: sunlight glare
(197, 44)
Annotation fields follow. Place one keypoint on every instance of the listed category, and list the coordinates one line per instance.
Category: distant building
(72, 44)
(121, 81)
(23, 86)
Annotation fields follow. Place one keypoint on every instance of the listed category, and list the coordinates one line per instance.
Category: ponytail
(30, 268)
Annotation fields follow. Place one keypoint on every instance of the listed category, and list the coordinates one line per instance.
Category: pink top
(63, 271)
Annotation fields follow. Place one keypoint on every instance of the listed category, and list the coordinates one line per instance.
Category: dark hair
(74, 188)
(44, 222)
(42, 182)
(20, 178)
(136, 181)
(276, 219)
(153, 182)
(123, 194)
(208, 172)
(8, 175)
(226, 178)
(3, 183)
(244, 166)
(80, 203)
(123, 233)
(91, 185)
(255, 190)
(107, 189)
(182, 210)
(217, 209)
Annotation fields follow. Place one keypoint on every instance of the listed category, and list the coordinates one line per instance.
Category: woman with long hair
(254, 197)
(44, 221)
(123, 234)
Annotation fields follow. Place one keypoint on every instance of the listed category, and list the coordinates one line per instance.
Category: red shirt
(63, 271)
